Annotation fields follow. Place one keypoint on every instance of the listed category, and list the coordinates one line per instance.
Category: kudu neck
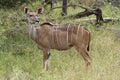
(32, 31)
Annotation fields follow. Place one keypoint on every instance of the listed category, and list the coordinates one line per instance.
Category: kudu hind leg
(46, 56)
(85, 55)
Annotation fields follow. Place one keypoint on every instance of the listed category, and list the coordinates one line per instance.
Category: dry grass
(24, 60)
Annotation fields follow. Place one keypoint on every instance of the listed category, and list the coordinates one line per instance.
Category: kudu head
(32, 17)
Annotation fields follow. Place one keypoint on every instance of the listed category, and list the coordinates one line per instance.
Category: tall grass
(20, 58)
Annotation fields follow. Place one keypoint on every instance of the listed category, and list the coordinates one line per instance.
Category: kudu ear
(25, 10)
(40, 10)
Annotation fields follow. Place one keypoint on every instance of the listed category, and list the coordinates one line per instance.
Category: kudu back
(60, 37)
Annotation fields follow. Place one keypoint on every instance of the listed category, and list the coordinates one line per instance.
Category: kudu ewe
(59, 37)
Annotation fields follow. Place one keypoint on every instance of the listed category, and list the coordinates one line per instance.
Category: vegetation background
(20, 58)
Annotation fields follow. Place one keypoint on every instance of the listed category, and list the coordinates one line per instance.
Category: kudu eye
(30, 15)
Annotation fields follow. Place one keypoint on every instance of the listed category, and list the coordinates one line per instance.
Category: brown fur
(63, 37)
(60, 37)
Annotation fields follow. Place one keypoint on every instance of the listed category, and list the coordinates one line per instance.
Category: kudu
(59, 37)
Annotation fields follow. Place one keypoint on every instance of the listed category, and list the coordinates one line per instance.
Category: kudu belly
(61, 40)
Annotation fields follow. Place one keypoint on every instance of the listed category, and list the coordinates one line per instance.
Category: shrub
(115, 2)
(12, 3)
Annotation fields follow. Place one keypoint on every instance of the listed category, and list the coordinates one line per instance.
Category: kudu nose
(37, 21)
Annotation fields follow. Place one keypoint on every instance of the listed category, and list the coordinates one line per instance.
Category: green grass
(20, 58)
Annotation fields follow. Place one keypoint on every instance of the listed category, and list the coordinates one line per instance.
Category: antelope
(60, 37)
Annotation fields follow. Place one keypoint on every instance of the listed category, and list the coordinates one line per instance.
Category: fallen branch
(108, 19)
(97, 12)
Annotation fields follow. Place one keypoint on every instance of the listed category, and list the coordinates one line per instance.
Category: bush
(12, 3)
(115, 2)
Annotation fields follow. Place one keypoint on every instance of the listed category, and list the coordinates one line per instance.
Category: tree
(64, 7)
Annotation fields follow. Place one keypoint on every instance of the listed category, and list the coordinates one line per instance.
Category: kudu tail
(88, 48)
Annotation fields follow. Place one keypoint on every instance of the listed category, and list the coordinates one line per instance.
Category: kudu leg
(85, 55)
(46, 56)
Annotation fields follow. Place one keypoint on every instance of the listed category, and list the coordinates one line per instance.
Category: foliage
(115, 2)
(2, 37)
(12, 3)
(89, 3)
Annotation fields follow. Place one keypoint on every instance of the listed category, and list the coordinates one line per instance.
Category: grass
(20, 58)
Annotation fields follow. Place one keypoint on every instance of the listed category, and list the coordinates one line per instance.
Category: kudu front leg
(46, 56)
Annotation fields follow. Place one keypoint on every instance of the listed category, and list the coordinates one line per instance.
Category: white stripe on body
(78, 31)
(67, 32)
(60, 38)
(82, 37)
(82, 32)
(56, 37)
(52, 38)
(72, 33)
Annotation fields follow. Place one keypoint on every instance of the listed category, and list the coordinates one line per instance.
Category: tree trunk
(64, 7)
(88, 12)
